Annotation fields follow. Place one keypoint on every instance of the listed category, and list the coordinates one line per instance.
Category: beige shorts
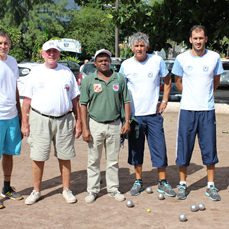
(43, 130)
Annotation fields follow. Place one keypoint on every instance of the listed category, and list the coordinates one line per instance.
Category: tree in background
(87, 27)
(32, 17)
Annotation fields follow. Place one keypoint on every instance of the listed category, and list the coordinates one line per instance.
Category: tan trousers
(107, 135)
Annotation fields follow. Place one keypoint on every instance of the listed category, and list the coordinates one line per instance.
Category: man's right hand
(87, 136)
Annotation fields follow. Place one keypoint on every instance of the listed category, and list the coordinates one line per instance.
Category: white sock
(183, 182)
(209, 184)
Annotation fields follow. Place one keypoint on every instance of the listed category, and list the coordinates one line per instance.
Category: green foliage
(69, 58)
(86, 26)
(125, 51)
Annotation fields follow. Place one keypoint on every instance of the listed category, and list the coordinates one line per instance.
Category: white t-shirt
(51, 90)
(197, 74)
(143, 80)
(8, 83)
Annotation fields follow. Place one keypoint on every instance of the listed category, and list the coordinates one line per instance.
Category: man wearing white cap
(52, 94)
(101, 90)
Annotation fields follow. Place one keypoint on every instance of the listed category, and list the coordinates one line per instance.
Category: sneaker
(165, 187)
(213, 193)
(33, 197)
(1, 205)
(11, 193)
(137, 188)
(68, 196)
(90, 197)
(182, 192)
(117, 195)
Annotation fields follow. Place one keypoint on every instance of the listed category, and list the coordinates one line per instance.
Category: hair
(138, 37)
(198, 28)
(4, 34)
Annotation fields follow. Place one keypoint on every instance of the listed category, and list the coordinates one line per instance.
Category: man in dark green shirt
(100, 92)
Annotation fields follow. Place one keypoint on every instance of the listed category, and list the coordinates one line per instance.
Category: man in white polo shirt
(10, 114)
(142, 72)
(52, 94)
(197, 73)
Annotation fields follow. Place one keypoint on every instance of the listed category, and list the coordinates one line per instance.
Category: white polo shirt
(51, 90)
(197, 74)
(8, 83)
(143, 80)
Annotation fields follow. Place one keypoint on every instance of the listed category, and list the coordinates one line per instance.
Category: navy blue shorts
(203, 124)
(150, 126)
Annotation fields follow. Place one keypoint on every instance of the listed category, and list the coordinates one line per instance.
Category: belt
(52, 117)
(107, 122)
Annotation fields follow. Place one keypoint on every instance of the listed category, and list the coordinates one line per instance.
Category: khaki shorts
(43, 130)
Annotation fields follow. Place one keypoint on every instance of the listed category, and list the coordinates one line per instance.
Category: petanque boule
(194, 208)
(201, 207)
(149, 190)
(129, 203)
(182, 217)
(160, 196)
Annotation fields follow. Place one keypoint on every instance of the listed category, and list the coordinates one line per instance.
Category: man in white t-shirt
(85, 61)
(10, 114)
(142, 72)
(197, 74)
(52, 94)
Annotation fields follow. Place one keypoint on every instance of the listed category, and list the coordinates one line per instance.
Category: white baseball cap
(52, 44)
(102, 51)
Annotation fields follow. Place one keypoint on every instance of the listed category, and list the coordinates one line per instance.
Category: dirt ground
(51, 211)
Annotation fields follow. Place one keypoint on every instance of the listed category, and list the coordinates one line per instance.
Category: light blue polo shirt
(197, 74)
(143, 80)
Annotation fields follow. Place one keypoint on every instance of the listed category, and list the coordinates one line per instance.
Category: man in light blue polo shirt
(142, 72)
(197, 73)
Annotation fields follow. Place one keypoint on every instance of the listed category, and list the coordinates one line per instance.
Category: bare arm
(216, 82)
(18, 104)
(25, 116)
(86, 133)
(76, 110)
(178, 81)
(167, 89)
(126, 126)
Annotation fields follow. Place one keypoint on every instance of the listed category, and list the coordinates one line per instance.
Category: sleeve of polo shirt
(28, 88)
(84, 92)
(75, 89)
(121, 70)
(177, 69)
(219, 68)
(125, 91)
(163, 69)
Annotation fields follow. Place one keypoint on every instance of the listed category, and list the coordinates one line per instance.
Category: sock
(6, 185)
(209, 184)
(183, 183)
(163, 180)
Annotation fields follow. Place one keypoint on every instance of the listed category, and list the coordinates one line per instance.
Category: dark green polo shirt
(104, 98)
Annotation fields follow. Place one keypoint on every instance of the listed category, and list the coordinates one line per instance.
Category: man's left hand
(78, 129)
(125, 128)
(161, 107)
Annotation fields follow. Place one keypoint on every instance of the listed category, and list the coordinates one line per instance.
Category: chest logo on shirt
(205, 68)
(41, 84)
(115, 87)
(189, 68)
(134, 75)
(150, 74)
(97, 88)
(66, 86)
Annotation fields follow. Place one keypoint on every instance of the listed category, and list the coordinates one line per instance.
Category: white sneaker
(90, 197)
(68, 196)
(117, 195)
(33, 197)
